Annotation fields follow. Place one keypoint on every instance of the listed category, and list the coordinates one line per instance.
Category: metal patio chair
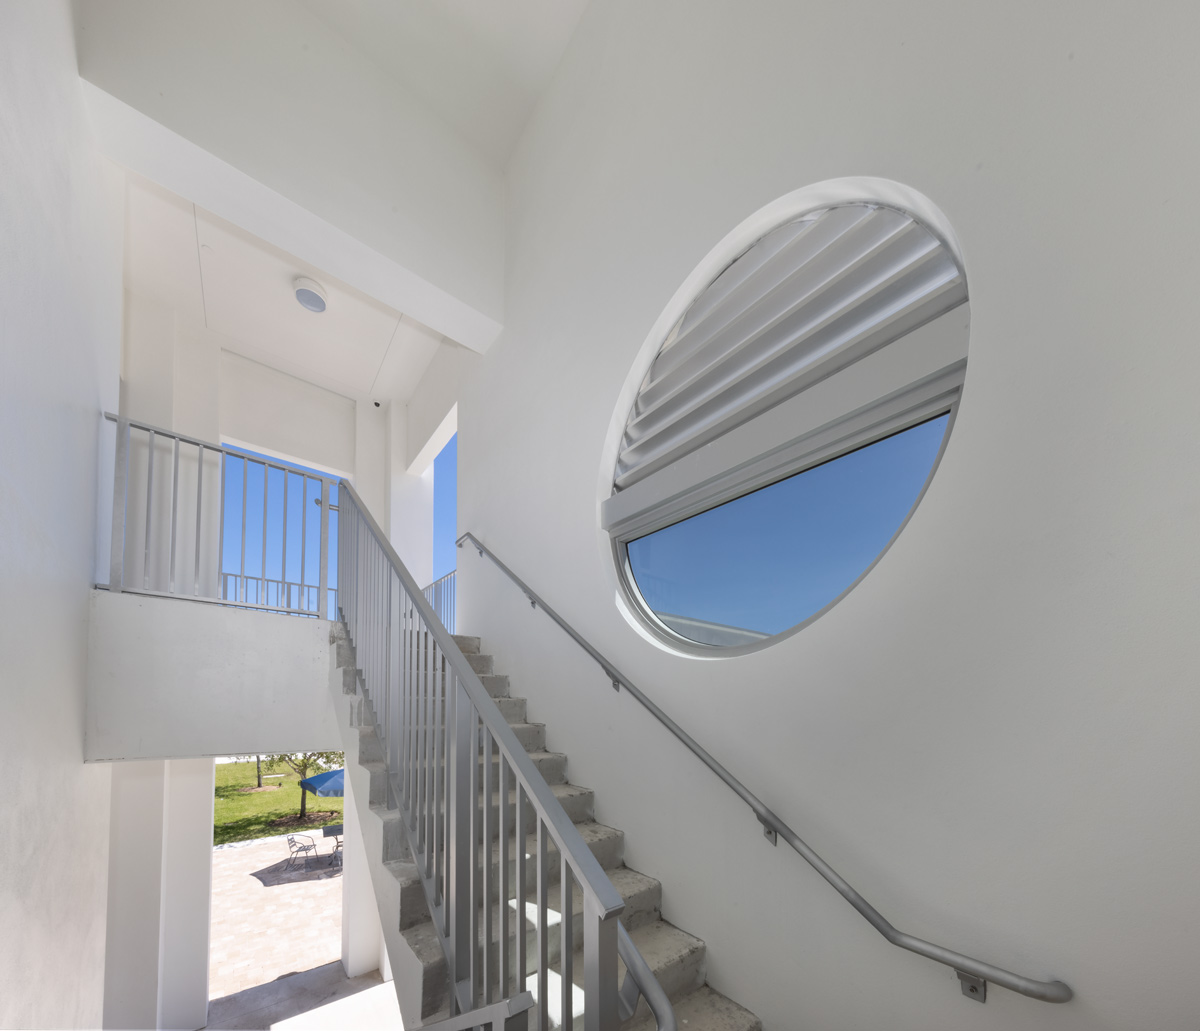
(298, 850)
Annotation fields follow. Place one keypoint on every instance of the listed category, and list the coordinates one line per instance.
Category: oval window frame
(788, 208)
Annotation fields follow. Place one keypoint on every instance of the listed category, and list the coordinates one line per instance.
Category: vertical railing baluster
(283, 567)
(303, 533)
(263, 590)
(242, 569)
(476, 833)
(120, 504)
(489, 825)
(174, 517)
(199, 509)
(430, 751)
(224, 460)
(566, 941)
(521, 922)
(439, 841)
(323, 584)
(149, 509)
(462, 763)
(505, 823)
(543, 945)
(392, 743)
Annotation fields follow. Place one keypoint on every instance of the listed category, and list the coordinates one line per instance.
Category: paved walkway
(314, 1000)
(267, 921)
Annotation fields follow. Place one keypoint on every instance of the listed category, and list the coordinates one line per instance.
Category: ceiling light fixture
(309, 293)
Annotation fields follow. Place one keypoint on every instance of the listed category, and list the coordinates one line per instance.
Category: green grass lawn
(241, 815)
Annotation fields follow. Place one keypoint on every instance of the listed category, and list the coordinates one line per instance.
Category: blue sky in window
(294, 557)
(771, 559)
(445, 509)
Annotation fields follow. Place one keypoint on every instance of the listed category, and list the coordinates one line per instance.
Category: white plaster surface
(993, 735)
(135, 889)
(187, 895)
(410, 502)
(160, 869)
(270, 91)
(175, 678)
(362, 935)
(261, 407)
(60, 331)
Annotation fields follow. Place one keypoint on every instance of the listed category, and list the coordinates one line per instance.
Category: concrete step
(496, 684)
(481, 664)
(705, 1010)
(512, 709)
(551, 765)
(676, 957)
(643, 900)
(607, 844)
(467, 645)
(531, 735)
(435, 984)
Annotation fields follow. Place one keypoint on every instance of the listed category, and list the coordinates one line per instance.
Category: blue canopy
(325, 784)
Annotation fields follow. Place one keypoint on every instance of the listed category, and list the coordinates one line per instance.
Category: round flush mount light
(309, 293)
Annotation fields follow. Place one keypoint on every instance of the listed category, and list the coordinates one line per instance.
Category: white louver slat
(806, 301)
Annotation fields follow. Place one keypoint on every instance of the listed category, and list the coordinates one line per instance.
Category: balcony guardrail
(440, 594)
(973, 974)
(198, 520)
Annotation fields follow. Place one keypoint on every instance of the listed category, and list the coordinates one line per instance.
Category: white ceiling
(219, 276)
(480, 64)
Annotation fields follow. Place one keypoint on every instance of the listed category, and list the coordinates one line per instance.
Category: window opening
(791, 416)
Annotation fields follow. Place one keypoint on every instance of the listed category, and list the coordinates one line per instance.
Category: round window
(789, 417)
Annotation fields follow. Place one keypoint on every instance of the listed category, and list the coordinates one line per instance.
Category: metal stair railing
(440, 595)
(462, 780)
(973, 974)
(507, 1015)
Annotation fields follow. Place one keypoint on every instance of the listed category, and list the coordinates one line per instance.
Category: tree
(305, 764)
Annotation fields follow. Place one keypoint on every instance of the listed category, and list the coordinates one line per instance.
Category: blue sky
(771, 559)
(303, 551)
(304, 533)
(445, 509)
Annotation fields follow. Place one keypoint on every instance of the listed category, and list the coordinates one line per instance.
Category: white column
(362, 936)
(159, 895)
(134, 891)
(186, 895)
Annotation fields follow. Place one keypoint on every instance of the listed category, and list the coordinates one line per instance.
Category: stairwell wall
(60, 334)
(992, 736)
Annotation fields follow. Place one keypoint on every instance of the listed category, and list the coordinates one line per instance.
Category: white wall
(271, 90)
(171, 680)
(410, 500)
(156, 963)
(993, 735)
(60, 326)
(263, 408)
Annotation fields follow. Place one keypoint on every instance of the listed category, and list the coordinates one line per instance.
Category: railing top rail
(442, 579)
(773, 826)
(587, 868)
(208, 445)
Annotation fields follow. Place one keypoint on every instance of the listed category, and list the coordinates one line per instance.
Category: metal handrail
(412, 692)
(973, 973)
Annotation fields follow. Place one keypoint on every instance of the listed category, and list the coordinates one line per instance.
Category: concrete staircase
(418, 965)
